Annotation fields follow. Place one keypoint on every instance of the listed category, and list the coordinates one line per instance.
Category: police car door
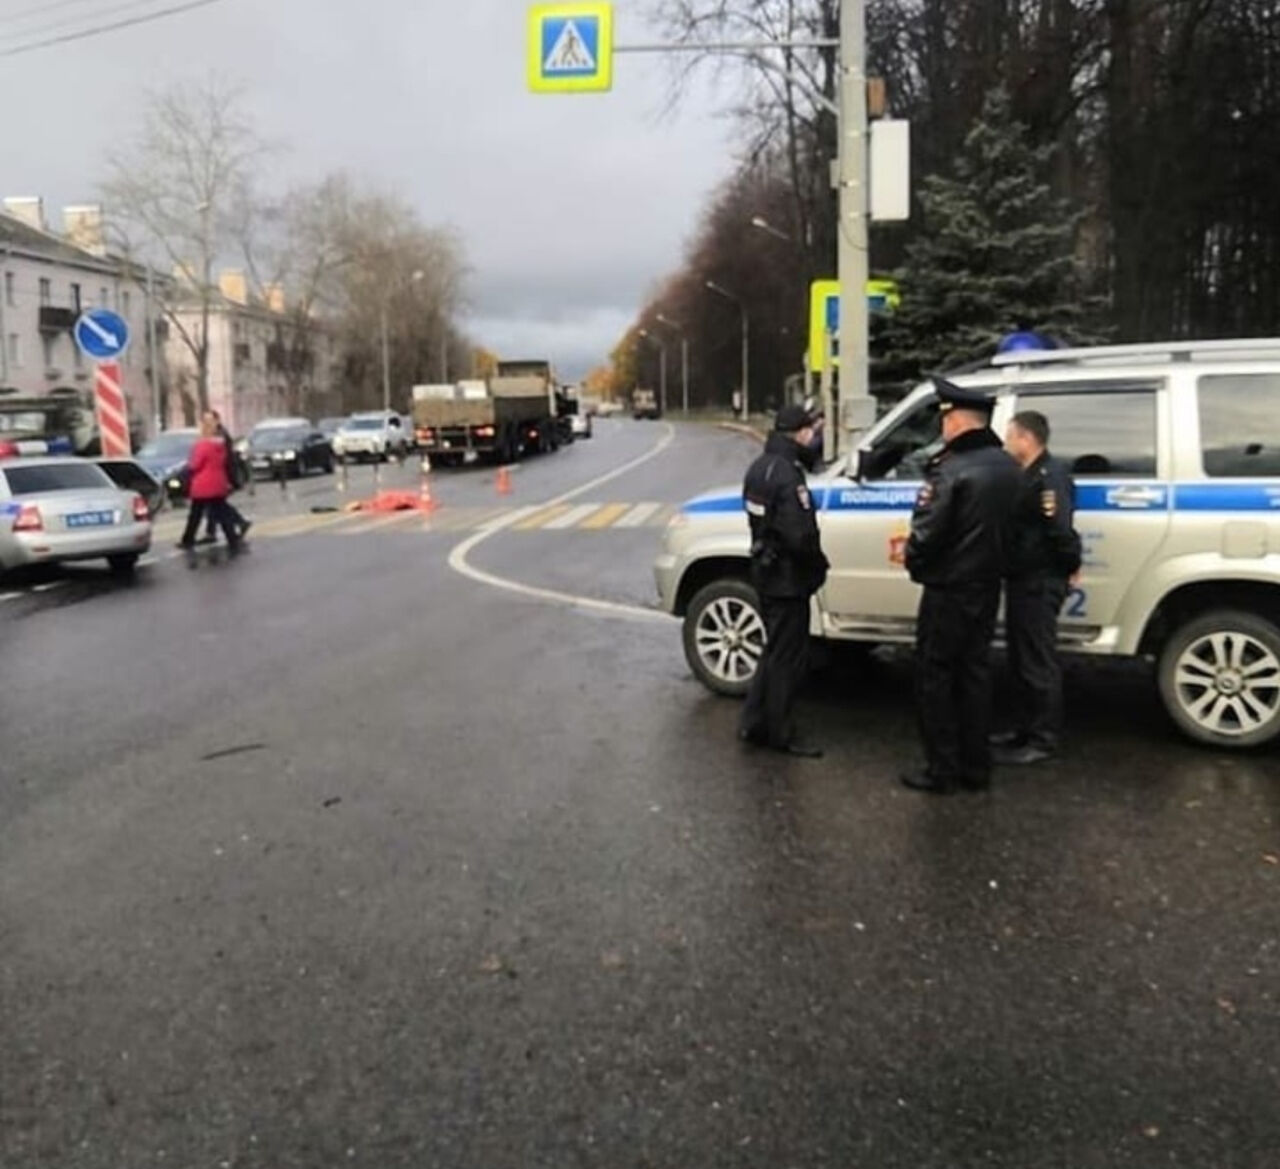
(865, 523)
(1112, 437)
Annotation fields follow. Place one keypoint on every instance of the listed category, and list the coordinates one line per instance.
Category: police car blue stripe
(1232, 496)
(1119, 495)
(721, 503)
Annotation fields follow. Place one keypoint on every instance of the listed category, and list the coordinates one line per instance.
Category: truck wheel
(724, 636)
(1219, 678)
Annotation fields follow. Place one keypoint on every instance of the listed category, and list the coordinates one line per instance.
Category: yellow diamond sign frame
(571, 48)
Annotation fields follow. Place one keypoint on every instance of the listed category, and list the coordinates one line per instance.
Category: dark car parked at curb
(289, 451)
(165, 459)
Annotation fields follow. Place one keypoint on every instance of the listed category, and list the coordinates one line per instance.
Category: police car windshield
(366, 424)
(43, 478)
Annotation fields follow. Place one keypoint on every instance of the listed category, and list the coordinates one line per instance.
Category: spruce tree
(995, 253)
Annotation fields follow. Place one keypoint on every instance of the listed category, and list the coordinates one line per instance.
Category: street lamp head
(679, 328)
(721, 291)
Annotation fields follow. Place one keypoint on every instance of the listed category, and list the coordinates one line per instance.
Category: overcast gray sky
(571, 207)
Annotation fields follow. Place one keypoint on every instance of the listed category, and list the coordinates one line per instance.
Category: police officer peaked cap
(793, 418)
(954, 397)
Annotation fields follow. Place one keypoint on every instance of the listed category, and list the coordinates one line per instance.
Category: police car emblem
(1049, 504)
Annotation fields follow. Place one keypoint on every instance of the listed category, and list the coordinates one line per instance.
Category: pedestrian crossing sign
(571, 48)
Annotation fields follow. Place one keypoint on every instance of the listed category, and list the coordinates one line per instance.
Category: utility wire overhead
(100, 29)
(7, 18)
(81, 21)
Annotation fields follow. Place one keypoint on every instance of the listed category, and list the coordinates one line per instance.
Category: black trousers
(1032, 606)
(766, 718)
(954, 630)
(218, 512)
(232, 511)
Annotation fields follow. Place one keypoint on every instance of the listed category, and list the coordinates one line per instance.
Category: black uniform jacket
(786, 549)
(1043, 540)
(959, 527)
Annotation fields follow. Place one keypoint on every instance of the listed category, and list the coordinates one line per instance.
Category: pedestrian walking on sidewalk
(209, 487)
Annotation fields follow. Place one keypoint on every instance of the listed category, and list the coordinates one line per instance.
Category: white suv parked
(375, 435)
(1175, 450)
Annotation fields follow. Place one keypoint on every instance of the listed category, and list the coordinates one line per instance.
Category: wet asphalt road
(333, 857)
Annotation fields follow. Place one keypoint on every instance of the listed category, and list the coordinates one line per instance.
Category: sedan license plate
(91, 519)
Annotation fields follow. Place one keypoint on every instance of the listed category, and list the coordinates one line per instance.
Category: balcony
(57, 320)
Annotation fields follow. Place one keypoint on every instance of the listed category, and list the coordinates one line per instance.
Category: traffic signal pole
(856, 406)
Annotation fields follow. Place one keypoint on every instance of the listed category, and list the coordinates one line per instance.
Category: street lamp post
(746, 345)
(416, 278)
(662, 370)
(684, 361)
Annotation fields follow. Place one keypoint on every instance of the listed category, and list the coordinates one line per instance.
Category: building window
(9, 289)
(50, 349)
(15, 351)
(75, 297)
(46, 292)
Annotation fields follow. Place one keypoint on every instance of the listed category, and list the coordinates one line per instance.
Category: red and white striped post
(112, 412)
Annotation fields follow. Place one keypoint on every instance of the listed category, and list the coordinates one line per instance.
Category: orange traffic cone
(504, 480)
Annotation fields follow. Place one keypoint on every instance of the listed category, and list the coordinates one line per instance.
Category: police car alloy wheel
(1220, 679)
(724, 636)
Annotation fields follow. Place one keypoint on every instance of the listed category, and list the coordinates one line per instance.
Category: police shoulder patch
(926, 496)
(802, 494)
(1049, 503)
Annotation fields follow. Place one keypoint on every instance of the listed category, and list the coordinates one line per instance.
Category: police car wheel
(1219, 678)
(724, 636)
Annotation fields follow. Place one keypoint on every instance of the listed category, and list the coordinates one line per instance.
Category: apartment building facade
(48, 279)
(262, 364)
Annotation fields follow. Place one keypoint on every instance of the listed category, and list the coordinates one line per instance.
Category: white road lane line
(10, 597)
(458, 557)
(574, 516)
(48, 586)
(638, 515)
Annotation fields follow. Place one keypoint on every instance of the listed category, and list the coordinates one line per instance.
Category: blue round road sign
(102, 334)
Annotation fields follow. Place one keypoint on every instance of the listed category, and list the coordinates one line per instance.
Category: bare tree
(295, 251)
(178, 189)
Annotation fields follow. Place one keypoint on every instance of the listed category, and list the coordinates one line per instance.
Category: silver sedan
(61, 509)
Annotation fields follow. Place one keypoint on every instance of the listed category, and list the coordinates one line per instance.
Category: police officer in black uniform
(787, 568)
(1044, 553)
(957, 550)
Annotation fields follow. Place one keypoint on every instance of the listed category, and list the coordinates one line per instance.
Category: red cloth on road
(208, 465)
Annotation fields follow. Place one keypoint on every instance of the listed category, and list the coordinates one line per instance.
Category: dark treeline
(1157, 123)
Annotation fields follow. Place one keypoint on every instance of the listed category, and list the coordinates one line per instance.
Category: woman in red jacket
(209, 486)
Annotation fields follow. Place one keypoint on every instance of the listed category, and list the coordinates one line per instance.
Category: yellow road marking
(541, 518)
(607, 515)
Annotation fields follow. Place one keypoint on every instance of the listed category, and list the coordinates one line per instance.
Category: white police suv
(1175, 450)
